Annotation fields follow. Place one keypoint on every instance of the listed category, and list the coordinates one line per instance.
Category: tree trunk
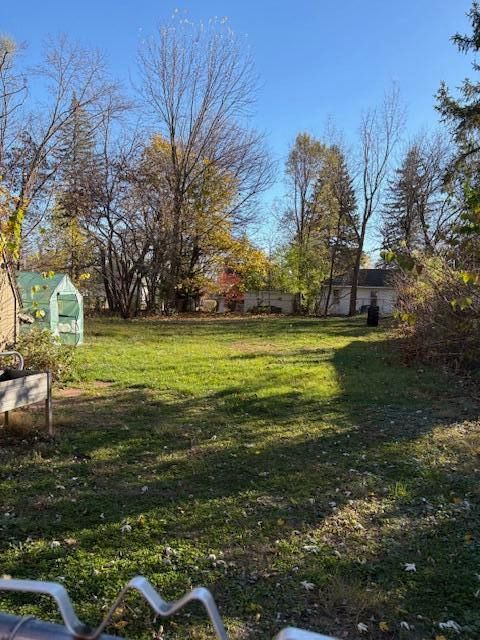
(353, 292)
(330, 278)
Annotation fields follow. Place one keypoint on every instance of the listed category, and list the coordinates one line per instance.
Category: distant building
(274, 301)
(375, 287)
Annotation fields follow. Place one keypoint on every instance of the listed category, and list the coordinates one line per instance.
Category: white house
(375, 287)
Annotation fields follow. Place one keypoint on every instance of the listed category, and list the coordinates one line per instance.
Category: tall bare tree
(31, 164)
(380, 130)
(199, 84)
(13, 92)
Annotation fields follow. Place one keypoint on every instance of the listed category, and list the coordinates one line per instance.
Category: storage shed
(280, 300)
(54, 302)
(9, 305)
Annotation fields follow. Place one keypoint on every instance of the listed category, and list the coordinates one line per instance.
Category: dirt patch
(69, 392)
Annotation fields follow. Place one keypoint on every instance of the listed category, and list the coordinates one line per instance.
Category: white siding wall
(273, 298)
(385, 299)
(8, 309)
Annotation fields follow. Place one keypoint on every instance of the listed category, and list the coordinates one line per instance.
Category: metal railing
(18, 356)
(29, 628)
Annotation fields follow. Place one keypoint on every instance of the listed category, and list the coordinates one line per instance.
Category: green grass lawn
(290, 465)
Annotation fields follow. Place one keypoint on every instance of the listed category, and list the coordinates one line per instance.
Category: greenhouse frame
(54, 302)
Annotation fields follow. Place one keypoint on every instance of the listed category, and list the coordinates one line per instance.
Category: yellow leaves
(440, 637)
(467, 277)
(160, 145)
(121, 624)
(12, 212)
(388, 256)
(383, 626)
(118, 620)
(461, 303)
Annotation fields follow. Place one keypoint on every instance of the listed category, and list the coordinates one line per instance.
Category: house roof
(35, 286)
(40, 287)
(366, 278)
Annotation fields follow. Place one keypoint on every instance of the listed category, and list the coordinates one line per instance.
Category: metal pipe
(28, 628)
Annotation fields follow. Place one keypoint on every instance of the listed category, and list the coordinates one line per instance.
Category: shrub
(439, 315)
(43, 351)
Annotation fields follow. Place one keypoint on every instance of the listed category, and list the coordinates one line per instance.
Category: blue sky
(317, 59)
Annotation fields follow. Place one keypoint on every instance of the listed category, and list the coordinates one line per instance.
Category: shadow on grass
(255, 491)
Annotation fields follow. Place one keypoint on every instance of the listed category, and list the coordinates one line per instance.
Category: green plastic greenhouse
(54, 302)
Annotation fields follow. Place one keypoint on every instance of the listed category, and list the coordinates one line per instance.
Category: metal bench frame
(27, 628)
(20, 392)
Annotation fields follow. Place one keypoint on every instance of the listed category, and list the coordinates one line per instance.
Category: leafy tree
(335, 192)
(320, 215)
(11, 220)
(307, 211)
(199, 85)
(439, 296)
(208, 228)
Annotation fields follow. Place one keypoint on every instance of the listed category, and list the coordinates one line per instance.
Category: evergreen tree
(463, 113)
(401, 213)
(419, 212)
(76, 195)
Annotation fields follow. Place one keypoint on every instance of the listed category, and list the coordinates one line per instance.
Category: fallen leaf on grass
(71, 542)
(309, 586)
(450, 624)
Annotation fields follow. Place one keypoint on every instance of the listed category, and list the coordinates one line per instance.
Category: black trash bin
(373, 314)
